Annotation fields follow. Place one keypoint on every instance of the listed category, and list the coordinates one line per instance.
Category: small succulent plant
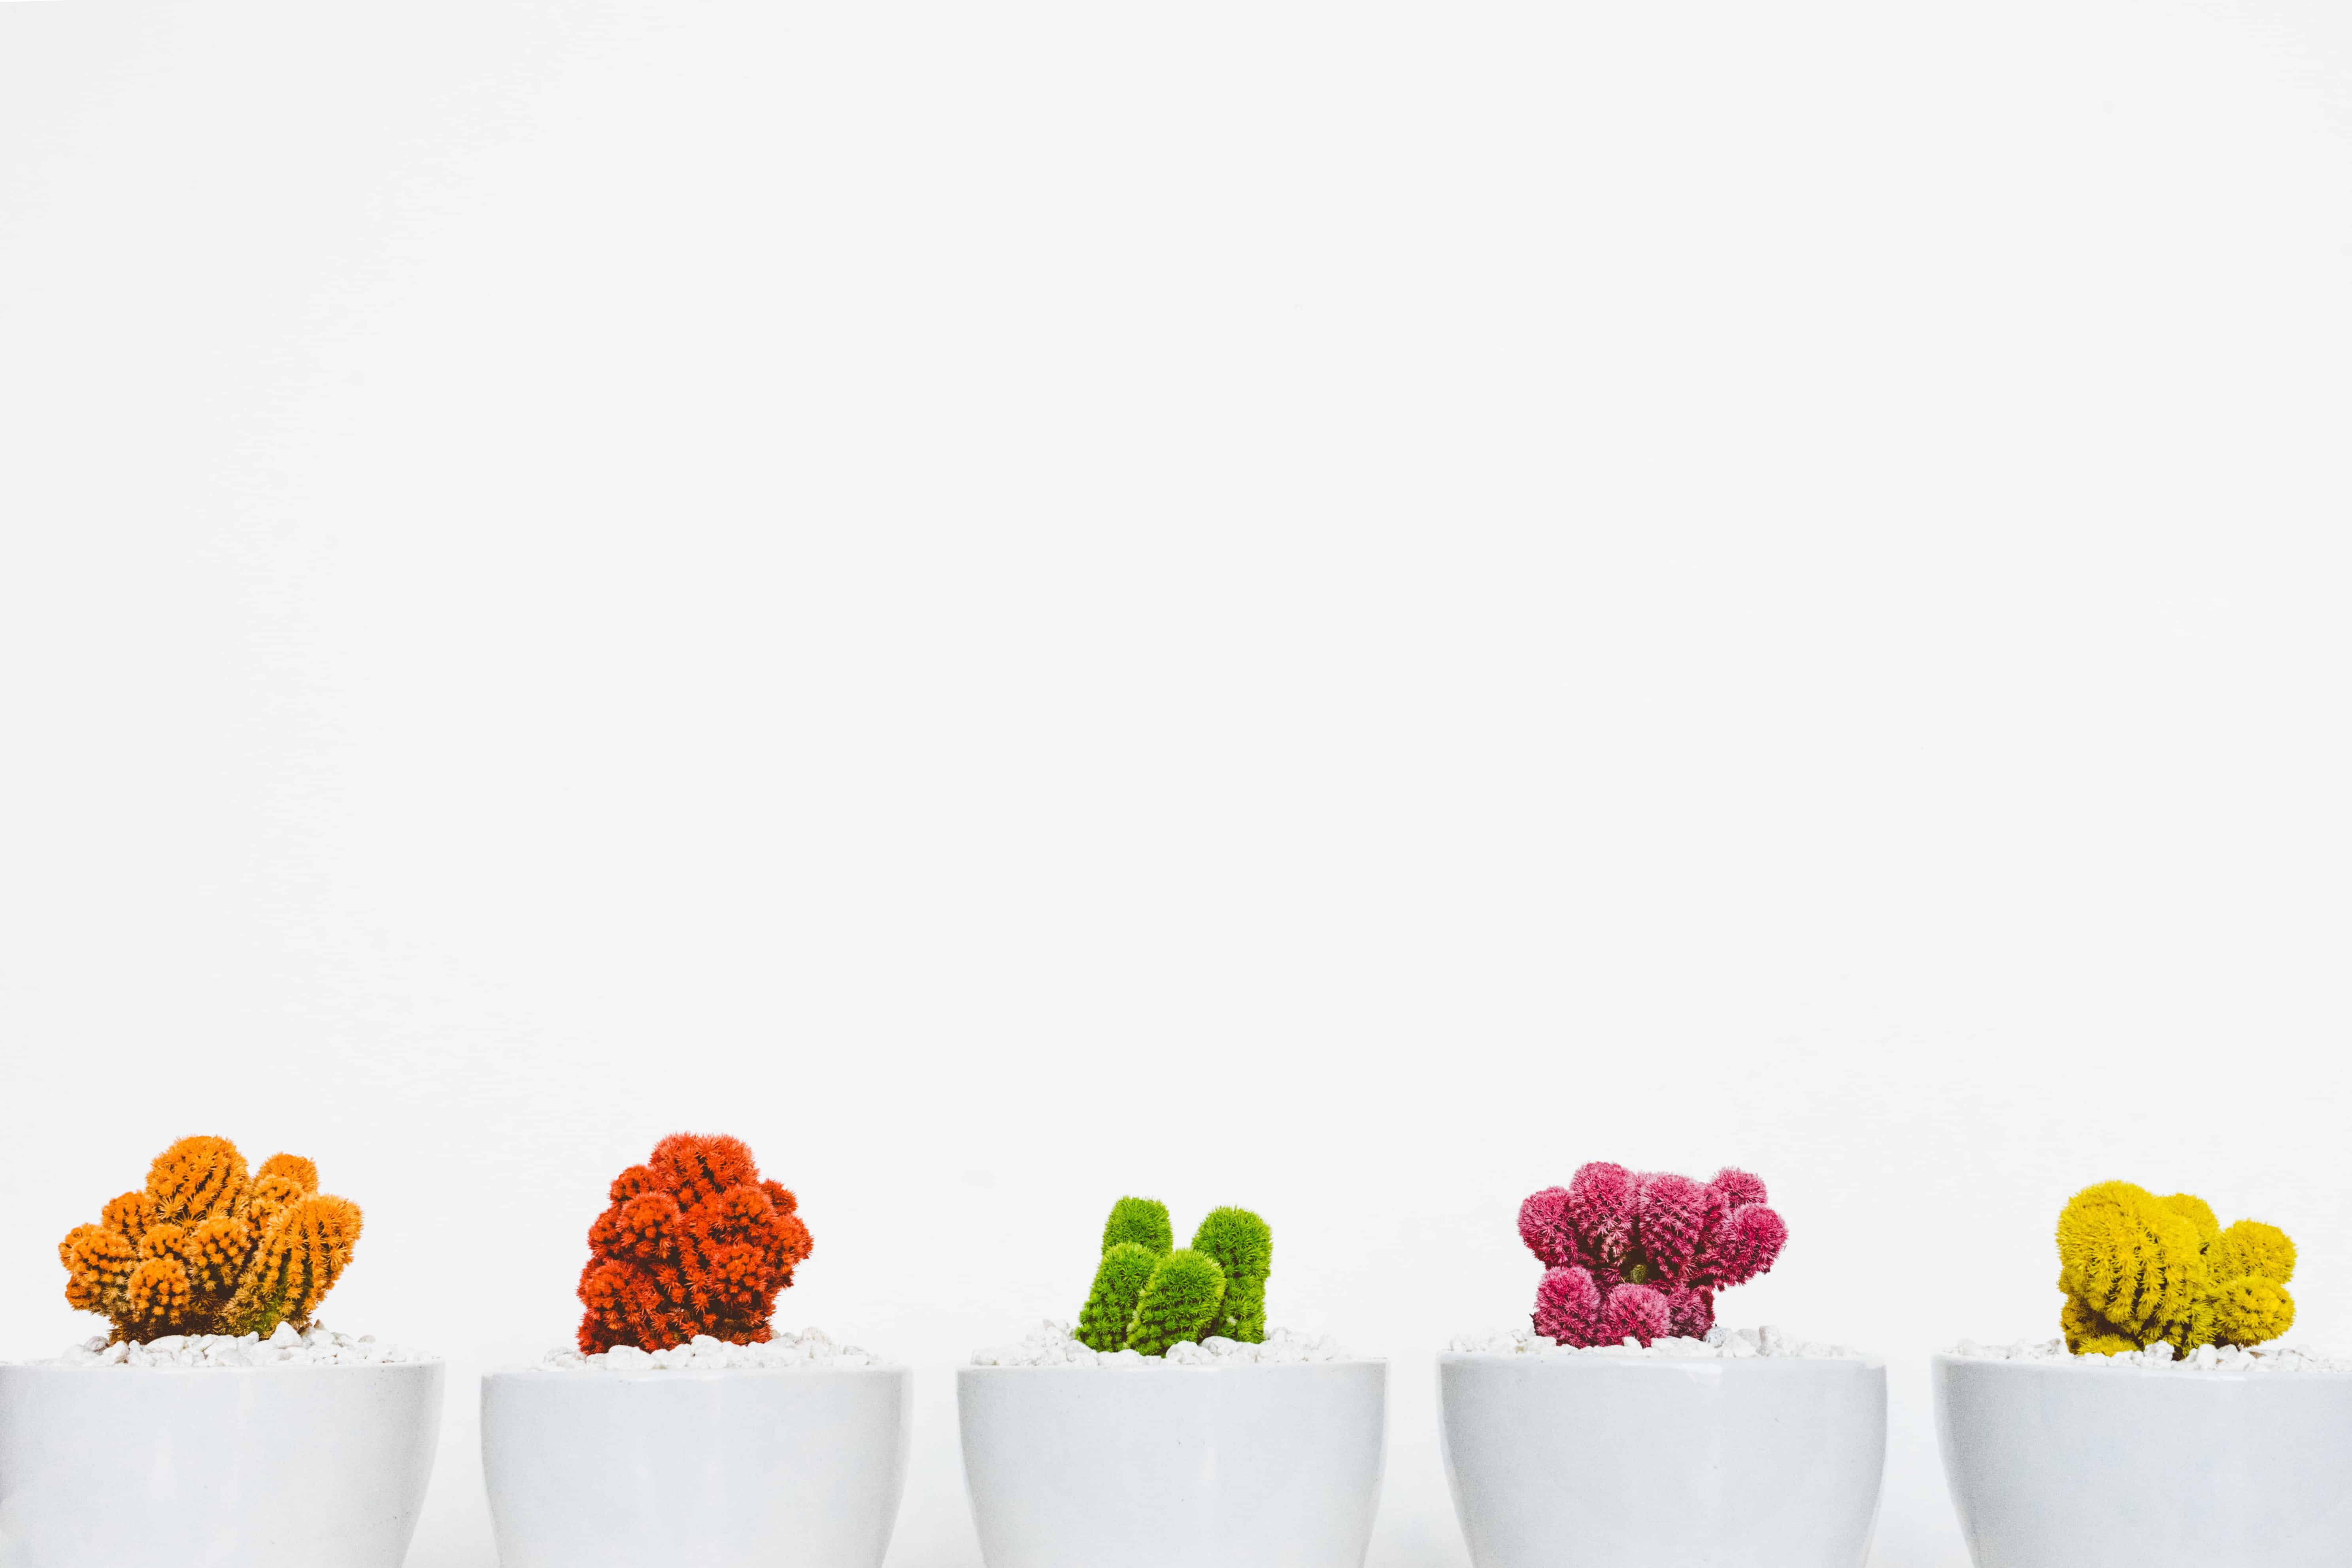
(1640, 1254)
(2137, 1268)
(207, 1247)
(1149, 1294)
(695, 1242)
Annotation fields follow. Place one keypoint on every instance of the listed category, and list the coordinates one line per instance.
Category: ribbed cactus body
(206, 1248)
(1242, 1245)
(2138, 1269)
(1111, 1306)
(1640, 1254)
(1148, 1296)
(1143, 1221)
(1180, 1302)
(693, 1241)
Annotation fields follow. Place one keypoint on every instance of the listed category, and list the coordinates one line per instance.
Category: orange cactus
(694, 1243)
(208, 1249)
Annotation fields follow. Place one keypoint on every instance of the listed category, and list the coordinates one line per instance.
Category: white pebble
(1721, 1344)
(2281, 1358)
(1053, 1345)
(809, 1348)
(318, 1346)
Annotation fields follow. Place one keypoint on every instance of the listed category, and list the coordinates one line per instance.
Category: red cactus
(694, 1243)
(1643, 1254)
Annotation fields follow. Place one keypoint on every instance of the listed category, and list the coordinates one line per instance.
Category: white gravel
(1051, 1345)
(809, 1348)
(2205, 1358)
(1721, 1344)
(318, 1346)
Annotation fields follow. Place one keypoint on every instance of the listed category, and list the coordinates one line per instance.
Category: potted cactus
(2164, 1424)
(217, 1419)
(682, 1428)
(1625, 1424)
(1170, 1426)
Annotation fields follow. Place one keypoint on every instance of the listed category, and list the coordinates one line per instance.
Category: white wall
(1337, 606)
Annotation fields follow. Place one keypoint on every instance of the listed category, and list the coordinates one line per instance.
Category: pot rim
(2081, 1366)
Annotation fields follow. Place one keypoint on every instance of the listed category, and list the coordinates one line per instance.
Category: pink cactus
(1690, 1312)
(1642, 1255)
(1543, 1225)
(1568, 1306)
(1600, 1212)
(1632, 1312)
(1743, 1246)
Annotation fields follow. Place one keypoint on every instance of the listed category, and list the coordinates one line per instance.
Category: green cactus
(1143, 1221)
(1119, 1286)
(1242, 1246)
(1180, 1302)
(1148, 1296)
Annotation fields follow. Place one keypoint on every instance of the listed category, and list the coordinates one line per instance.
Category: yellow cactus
(2137, 1268)
(2250, 1246)
(2251, 1311)
(2198, 1213)
(208, 1249)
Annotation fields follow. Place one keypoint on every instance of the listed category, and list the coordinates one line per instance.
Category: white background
(1338, 608)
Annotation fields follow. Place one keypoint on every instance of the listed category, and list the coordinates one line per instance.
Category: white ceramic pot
(2065, 1465)
(1561, 1461)
(264, 1466)
(1227, 1466)
(750, 1468)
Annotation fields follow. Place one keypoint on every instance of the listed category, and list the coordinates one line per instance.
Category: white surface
(273, 1466)
(2128, 1467)
(792, 1468)
(1241, 1466)
(1565, 1462)
(1328, 606)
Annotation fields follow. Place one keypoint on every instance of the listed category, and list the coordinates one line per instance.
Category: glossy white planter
(1563, 1461)
(1231, 1467)
(798, 1468)
(2067, 1466)
(266, 1467)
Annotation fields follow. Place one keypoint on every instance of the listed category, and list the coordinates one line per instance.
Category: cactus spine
(207, 1248)
(2137, 1268)
(1148, 1295)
